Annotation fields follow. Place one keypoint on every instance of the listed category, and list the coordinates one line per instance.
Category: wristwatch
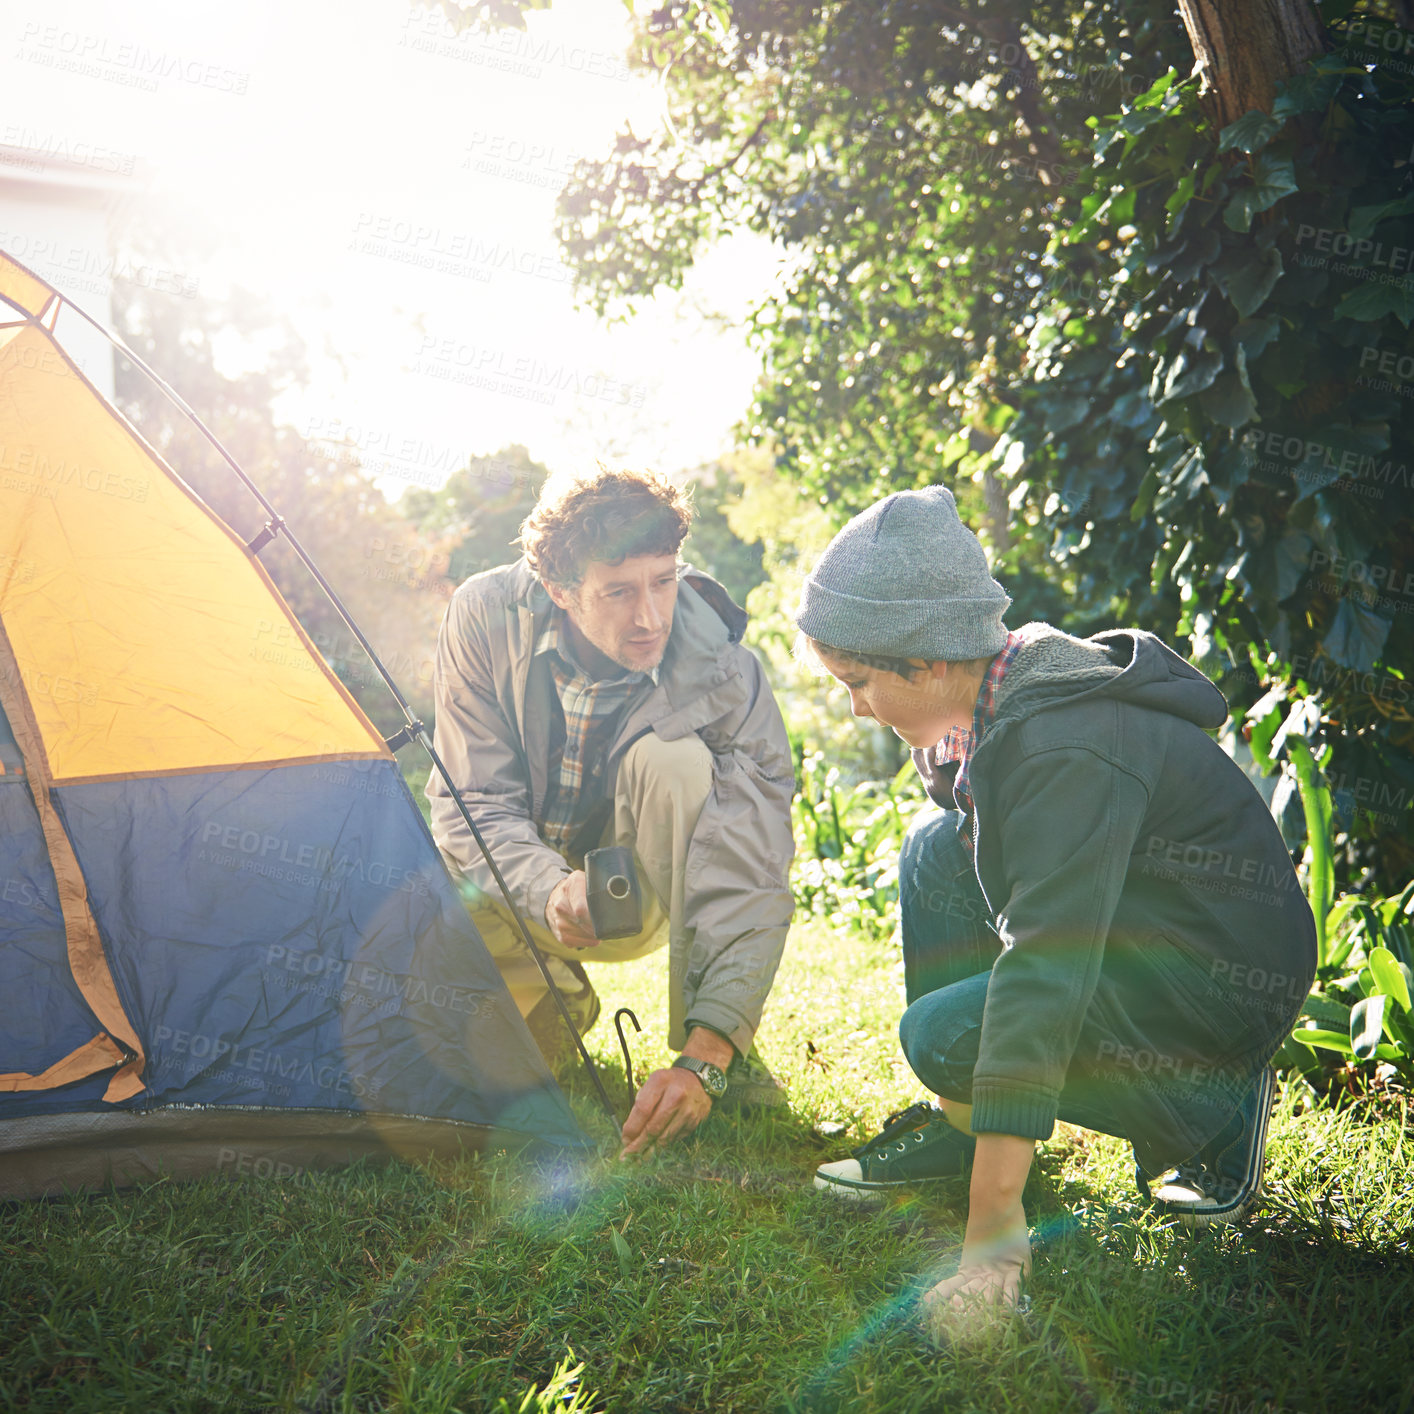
(714, 1081)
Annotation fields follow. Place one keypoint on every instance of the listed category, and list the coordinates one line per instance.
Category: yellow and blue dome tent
(227, 940)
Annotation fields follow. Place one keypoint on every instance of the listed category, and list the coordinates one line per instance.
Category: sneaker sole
(847, 1192)
(851, 1192)
(1229, 1214)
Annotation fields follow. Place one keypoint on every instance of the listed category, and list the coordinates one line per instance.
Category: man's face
(920, 711)
(624, 611)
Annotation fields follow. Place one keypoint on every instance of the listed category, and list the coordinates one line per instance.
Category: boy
(1083, 920)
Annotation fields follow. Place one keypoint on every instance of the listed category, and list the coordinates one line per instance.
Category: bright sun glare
(390, 184)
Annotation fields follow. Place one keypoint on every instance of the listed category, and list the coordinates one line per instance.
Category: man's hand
(673, 1102)
(567, 913)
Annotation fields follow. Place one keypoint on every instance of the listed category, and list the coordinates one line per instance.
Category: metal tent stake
(619, 1015)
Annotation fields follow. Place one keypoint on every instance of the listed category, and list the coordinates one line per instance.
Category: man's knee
(683, 767)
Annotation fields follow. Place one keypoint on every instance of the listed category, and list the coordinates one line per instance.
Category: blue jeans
(949, 945)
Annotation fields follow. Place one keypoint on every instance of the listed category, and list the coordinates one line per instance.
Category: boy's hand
(996, 1252)
(993, 1280)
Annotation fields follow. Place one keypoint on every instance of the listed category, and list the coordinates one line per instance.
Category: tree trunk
(1245, 48)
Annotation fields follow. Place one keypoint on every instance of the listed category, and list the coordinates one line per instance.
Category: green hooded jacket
(1139, 884)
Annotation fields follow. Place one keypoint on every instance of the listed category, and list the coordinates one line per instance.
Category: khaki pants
(659, 792)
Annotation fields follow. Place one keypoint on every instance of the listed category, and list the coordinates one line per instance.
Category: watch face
(714, 1081)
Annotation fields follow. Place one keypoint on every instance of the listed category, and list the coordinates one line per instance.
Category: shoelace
(898, 1123)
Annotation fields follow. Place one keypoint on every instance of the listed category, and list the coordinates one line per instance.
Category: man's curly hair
(605, 515)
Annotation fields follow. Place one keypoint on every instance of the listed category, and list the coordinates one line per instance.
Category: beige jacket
(494, 703)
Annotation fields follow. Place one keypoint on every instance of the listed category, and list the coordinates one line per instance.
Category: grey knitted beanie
(906, 579)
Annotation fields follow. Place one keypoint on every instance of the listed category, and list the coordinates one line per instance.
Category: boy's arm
(996, 1251)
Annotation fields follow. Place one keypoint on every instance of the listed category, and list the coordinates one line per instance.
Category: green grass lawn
(714, 1278)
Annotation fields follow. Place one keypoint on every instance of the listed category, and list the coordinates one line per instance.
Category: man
(596, 692)
(1076, 918)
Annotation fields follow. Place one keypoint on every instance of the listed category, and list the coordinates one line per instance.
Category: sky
(390, 185)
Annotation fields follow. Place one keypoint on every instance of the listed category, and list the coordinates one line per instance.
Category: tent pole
(277, 525)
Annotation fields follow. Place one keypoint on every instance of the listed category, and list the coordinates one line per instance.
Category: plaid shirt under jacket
(590, 710)
(960, 745)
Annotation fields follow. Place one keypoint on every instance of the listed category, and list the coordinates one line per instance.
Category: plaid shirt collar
(961, 745)
(589, 709)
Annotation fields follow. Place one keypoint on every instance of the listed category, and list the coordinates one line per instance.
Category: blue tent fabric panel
(45, 1015)
(288, 937)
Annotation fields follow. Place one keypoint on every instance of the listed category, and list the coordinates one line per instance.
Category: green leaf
(1367, 1025)
(1189, 255)
(1389, 976)
(1156, 91)
(1250, 133)
(1249, 285)
(1273, 177)
(1326, 1040)
(1362, 220)
(1357, 636)
(1316, 803)
(1398, 1028)
(1191, 372)
(1144, 497)
(1255, 334)
(1137, 119)
(1182, 194)
(1229, 400)
(1311, 91)
(1291, 560)
(1327, 1012)
(1341, 910)
(1265, 716)
(622, 1251)
(1373, 299)
(1066, 410)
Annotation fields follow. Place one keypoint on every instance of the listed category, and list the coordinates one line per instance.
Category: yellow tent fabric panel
(146, 637)
(19, 286)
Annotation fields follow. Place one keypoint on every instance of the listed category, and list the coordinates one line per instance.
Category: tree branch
(696, 182)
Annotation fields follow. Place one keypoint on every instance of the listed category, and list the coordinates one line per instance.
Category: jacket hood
(1131, 665)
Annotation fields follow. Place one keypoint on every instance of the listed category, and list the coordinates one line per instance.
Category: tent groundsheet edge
(59, 1155)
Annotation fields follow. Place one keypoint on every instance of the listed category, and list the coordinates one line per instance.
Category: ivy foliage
(1234, 392)
(1018, 254)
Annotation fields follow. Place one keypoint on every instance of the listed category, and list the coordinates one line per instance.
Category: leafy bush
(1359, 1009)
(848, 843)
